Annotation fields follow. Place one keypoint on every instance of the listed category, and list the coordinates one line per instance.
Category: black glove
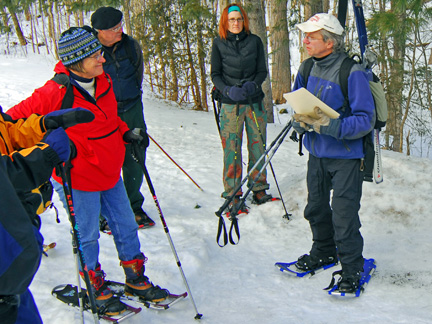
(250, 88)
(58, 140)
(235, 93)
(66, 118)
(137, 135)
(73, 150)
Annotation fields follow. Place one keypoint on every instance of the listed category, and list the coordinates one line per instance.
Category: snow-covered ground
(239, 284)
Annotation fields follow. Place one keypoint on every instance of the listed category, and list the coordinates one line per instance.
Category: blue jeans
(114, 205)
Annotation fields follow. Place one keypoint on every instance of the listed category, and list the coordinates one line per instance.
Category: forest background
(176, 38)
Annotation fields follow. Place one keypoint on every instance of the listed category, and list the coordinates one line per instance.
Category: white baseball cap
(321, 21)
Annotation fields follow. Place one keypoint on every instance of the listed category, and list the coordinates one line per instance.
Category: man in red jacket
(97, 187)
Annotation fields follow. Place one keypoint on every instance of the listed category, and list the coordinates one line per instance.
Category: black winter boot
(309, 262)
(261, 197)
(349, 282)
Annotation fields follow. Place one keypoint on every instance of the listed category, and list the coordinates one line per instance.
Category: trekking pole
(174, 162)
(287, 215)
(80, 293)
(221, 226)
(234, 211)
(76, 244)
(138, 158)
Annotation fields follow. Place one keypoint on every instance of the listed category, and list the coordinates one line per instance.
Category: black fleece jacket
(236, 59)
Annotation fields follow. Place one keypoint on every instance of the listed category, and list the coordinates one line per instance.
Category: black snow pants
(335, 224)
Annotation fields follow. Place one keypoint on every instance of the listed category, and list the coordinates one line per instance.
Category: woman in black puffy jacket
(238, 68)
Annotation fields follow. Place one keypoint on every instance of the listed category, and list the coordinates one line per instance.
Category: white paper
(304, 102)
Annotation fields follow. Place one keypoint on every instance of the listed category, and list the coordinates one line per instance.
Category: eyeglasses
(116, 29)
(97, 56)
(311, 39)
(233, 20)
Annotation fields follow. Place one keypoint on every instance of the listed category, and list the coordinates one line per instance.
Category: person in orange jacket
(30, 149)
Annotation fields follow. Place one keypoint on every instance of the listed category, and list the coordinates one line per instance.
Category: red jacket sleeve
(43, 101)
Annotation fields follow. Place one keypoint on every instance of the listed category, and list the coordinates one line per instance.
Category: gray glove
(322, 120)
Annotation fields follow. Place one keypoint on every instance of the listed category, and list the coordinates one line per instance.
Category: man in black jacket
(124, 63)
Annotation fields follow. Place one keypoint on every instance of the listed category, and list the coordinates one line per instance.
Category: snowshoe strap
(332, 282)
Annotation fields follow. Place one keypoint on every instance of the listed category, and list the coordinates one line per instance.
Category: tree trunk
(126, 16)
(174, 90)
(193, 77)
(256, 14)
(395, 88)
(43, 27)
(279, 40)
(222, 5)
(51, 27)
(17, 26)
(201, 62)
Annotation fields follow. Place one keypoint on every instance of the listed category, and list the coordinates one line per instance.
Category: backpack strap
(131, 51)
(68, 99)
(344, 72)
(307, 68)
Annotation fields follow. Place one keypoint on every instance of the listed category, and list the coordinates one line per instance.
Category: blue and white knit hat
(75, 44)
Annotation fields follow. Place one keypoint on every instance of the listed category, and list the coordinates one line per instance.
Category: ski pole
(287, 215)
(138, 158)
(76, 242)
(174, 162)
(221, 226)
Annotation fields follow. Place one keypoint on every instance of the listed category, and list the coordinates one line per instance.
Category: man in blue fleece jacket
(335, 151)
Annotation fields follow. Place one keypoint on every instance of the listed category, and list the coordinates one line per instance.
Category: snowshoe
(119, 289)
(69, 295)
(352, 284)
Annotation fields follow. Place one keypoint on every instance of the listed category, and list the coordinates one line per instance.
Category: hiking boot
(142, 219)
(236, 202)
(261, 197)
(349, 282)
(310, 263)
(106, 302)
(137, 284)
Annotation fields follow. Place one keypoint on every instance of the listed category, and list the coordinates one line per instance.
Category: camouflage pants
(233, 121)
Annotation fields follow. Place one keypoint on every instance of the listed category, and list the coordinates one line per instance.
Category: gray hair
(338, 40)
